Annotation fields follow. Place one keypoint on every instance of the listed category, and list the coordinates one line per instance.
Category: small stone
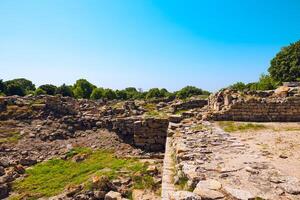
(208, 194)
(209, 184)
(283, 156)
(113, 196)
(239, 194)
(251, 170)
(184, 195)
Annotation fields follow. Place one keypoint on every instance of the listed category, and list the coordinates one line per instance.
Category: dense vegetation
(84, 89)
(285, 66)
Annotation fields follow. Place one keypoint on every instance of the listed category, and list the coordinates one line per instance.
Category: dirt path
(237, 161)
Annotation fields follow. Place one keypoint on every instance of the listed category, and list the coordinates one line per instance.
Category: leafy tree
(83, 89)
(20, 86)
(286, 64)
(2, 86)
(121, 94)
(49, 89)
(190, 91)
(109, 94)
(13, 88)
(39, 91)
(65, 90)
(97, 93)
(157, 93)
(132, 92)
(265, 83)
(240, 86)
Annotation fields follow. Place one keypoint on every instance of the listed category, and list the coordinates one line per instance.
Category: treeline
(86, 90)
(284, 67)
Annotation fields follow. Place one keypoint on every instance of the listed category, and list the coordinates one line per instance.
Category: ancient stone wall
(146, 133)
(195, 103)
(259, 107)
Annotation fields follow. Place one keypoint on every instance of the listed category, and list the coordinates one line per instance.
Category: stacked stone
(151, 133)
(194, 103)
(259, 107)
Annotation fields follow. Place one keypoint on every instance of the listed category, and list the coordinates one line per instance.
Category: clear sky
(144, 43)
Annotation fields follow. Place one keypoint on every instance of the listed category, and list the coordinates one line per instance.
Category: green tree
(83, 89)
(157, 93)
(97, 93)
(2, 86)
(121, 94)
(109, 94)
(65, 90)
(13, 88)
(39, 91)
(265, 83)
(49, 89)
(20, 86)
(190, 91)
(131, 93)
(286, 64)
(240, 86)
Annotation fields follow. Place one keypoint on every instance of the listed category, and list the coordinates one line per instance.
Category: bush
(190, 91)
(49, 89)
(286, 64)
(39, 91)
(65, 91)
(19, 87)
(109, 94)
(240, 86)
(97, 93)
(2, 86)
(121, 94)
(83, 89)
(157, 93)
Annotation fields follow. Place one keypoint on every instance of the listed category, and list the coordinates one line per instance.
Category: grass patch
(179, 112)
(149, 107)
(239, 126)
(9, 136)
(156, 114)
(199, 127)
(52, 177)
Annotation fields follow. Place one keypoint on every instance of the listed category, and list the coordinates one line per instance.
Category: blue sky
(144, 43)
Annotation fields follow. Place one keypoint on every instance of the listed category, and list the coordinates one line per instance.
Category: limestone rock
(184, 195)
(208, 194)
(113, 196)
(239, 194)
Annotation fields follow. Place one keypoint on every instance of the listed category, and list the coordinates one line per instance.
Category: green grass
(199, 127)
(229, 126)
(52, 177)
(156, 114)
(9, 136)
(179, 112)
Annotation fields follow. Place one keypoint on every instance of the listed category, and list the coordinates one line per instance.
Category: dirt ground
(278, 144)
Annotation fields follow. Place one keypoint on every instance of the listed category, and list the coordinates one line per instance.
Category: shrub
(19, 87)
(286, 64)
(109, 94)
(39, 91)
(65, 91)
(49, 89)
(121, 94)
(97, 93)
(240, 86)
(83, 89)
(190, 91)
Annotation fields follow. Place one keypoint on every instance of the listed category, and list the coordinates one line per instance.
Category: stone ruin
(280, 105)
(71, 115)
